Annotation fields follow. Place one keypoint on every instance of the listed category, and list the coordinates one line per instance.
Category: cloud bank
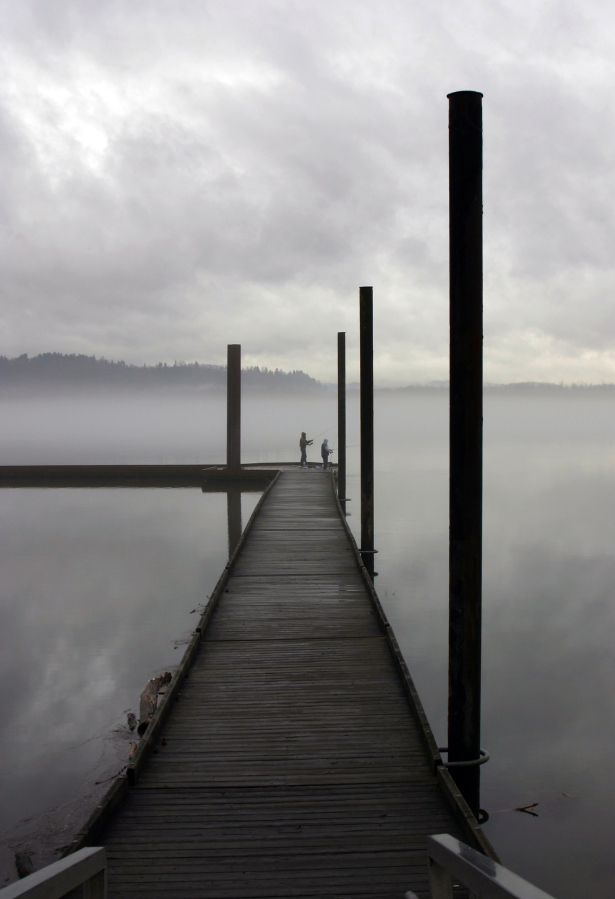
(179, 176)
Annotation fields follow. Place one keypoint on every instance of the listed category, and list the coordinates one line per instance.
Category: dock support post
(366, 330)
(233, 406)
(466, 433)
(341, 417)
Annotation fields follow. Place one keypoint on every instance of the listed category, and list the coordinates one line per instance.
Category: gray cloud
(183, 175)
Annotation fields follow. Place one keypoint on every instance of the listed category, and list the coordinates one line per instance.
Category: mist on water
(182, 427)
(99, 585)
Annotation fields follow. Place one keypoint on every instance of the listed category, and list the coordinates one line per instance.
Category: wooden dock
(211, 478)
(292, 757)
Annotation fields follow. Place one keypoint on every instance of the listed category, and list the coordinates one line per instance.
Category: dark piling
(341, 417)
(466, 426)
(233, 406)
(366, 328)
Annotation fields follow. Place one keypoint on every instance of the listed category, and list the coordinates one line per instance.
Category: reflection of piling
(233, 406)
(366, 329)
(341, 417)
(233, 509)
(466, 424)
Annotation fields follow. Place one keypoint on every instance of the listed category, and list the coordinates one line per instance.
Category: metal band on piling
(483, 757)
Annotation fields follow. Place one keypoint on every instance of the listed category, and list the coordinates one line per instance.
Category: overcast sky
(180, 175)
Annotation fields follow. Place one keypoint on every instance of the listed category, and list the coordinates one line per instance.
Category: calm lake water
(98, 587)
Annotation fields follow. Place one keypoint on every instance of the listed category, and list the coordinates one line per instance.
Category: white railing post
(96, 886)
(440, 881)
(449, 859)
(84, 871)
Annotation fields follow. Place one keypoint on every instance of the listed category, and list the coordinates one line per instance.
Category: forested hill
(56, 370)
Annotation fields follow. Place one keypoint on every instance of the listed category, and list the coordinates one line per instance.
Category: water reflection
(100, 589)
(233, 507)
(548, 618)
(74, 660)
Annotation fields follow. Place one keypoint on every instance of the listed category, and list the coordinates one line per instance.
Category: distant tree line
(528, 387)
(78, 371)
(56, 371)
(523, 388)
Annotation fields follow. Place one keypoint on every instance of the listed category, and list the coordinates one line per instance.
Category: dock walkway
(292, 763)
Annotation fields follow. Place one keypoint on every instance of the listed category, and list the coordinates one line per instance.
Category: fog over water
(97, 585)
(548, 615)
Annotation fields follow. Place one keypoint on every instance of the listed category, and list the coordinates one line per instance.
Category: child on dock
(325, 452)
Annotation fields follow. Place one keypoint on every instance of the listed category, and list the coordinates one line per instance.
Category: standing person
(325, 453)
(303, 445)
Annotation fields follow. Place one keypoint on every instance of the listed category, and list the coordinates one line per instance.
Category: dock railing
(82, 875)
(452, 862)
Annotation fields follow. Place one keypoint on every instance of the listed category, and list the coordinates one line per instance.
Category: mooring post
(341, 417)
(466, 438)
(366, 333)
(233, 406)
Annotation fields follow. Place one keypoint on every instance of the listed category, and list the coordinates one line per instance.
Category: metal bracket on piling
(483, 757)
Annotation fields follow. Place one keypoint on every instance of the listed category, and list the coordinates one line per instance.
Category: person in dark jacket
(303, 445)
(325, 452)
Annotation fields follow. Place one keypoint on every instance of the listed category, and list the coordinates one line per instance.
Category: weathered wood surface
(292, 764)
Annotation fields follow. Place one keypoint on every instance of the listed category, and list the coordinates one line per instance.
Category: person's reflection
(233, 506)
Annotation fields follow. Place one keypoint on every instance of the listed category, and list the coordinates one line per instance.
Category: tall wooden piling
(233, 406)
(341, 417)
(366, 332)
(466, 426)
